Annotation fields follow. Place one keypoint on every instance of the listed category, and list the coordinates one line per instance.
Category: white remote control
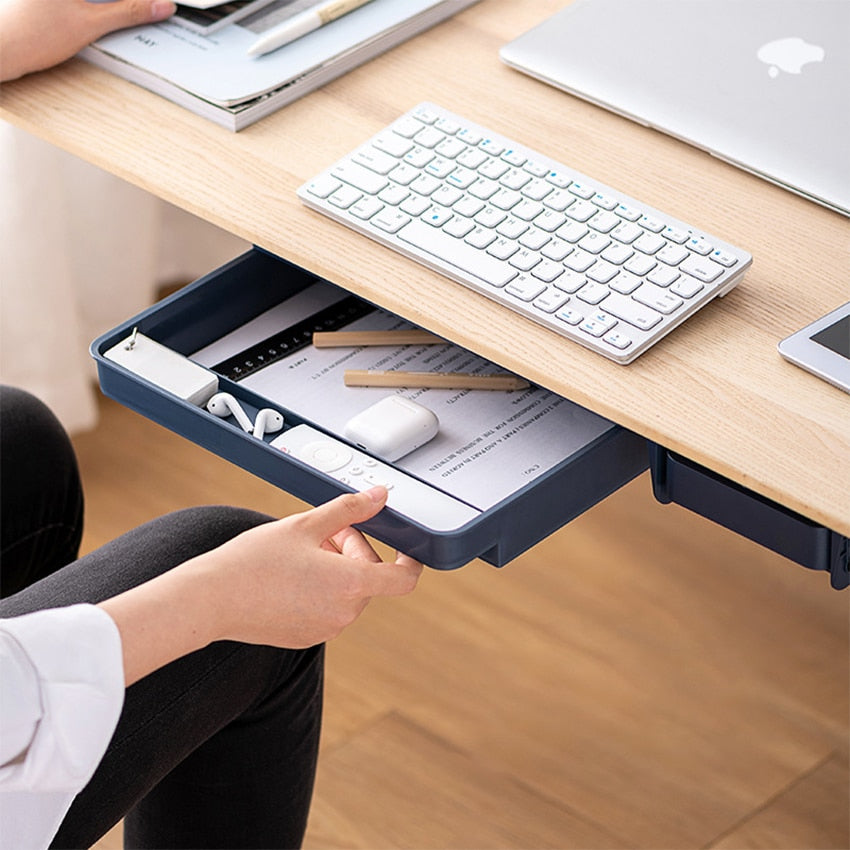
(407, 495)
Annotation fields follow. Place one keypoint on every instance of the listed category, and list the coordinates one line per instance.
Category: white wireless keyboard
(567, 251)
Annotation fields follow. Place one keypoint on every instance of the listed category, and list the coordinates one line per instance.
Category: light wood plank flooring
(641, 679)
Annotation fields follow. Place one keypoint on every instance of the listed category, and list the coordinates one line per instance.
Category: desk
(715, 391)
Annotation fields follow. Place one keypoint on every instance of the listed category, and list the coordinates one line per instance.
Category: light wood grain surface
(715, 390)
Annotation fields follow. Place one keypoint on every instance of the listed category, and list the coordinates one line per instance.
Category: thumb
(344, 511)
(118, 14)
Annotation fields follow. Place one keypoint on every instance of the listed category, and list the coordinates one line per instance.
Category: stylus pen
(301, 24)
(432, 380)
(340, 339)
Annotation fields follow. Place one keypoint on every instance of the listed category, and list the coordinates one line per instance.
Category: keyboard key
(458, 227)
(524, 259)
(725, 258)
(686, 286)
(450, 148)
(550, 300)
(547, 270)
(702, 268)
(625, 282)
(700, 245)
(571, 281)
(649, 243)
(582, 189)
(602, 272)
(537, 190)
(389, 220)
(512, 228)
(639, 264)
(344, 197)
(415, 205)
(570, 316)
(662, 275)
(504, 199)
(617, 253)
(393, 195)
(572, 231)
(618, 340)
(480, 237)
(407, 127)
(428, 137)
(490, 217)
(503, 248)
(581, 210)
(323, 186)
(657, 298)
(360, 178)
(437, 216)
(672, 254)
(366, 207)
(630, 311)
(375, 160)
(593, 293)
(594, 243)
(534, 239)
(579, 261)
(393, 144)
(556, 249)
(525, 288)
(598, 323)
(419, 157)
(469, 136)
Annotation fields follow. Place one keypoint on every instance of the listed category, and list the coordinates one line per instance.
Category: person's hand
(301, 580)
(292, 583)
(36, 34)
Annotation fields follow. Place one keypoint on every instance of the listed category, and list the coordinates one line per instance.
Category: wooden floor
(642, 679)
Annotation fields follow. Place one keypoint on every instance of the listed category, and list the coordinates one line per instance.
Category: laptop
(762, 84)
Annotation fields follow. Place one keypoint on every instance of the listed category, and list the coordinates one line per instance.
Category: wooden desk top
(715, 390)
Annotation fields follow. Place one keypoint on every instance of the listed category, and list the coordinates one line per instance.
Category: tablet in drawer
(505, 469)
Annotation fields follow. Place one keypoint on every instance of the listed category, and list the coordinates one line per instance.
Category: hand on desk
(292, 583)
(36, 34)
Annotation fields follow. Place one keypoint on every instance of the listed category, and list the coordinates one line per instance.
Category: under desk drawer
(517, 465)
(679, 480)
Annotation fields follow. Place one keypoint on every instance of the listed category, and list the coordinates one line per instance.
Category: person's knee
(205, 527)
(26, 419)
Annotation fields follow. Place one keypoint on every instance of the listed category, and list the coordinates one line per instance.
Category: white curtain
(80, 252)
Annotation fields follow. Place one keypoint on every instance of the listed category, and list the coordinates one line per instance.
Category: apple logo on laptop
(789, 55)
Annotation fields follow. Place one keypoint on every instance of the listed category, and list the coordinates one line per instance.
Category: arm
(35, 34)
(292, 583)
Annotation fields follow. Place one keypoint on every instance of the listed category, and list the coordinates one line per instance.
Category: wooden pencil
(432, 380)
(338, 339)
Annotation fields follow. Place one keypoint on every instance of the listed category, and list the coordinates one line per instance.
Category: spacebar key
(457, 253)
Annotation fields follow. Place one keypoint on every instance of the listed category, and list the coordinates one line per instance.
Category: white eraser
(166, 368)
(393, 427)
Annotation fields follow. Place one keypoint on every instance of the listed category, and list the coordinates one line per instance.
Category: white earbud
(224, 405)
(267, 422)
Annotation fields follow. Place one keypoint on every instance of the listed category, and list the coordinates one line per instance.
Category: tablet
(823, 347)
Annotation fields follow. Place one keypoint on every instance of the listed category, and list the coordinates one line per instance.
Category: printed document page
(490, 443)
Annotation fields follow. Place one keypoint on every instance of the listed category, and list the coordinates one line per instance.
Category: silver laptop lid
(763, 84)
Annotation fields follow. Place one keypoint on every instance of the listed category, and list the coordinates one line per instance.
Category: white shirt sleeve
(61, 693)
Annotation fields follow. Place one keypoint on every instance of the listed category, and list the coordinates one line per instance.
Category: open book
(213, 75)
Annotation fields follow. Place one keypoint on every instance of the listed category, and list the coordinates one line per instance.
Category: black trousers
(217, 749)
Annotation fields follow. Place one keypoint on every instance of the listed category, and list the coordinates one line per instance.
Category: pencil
(432, 380)
(338, 339)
